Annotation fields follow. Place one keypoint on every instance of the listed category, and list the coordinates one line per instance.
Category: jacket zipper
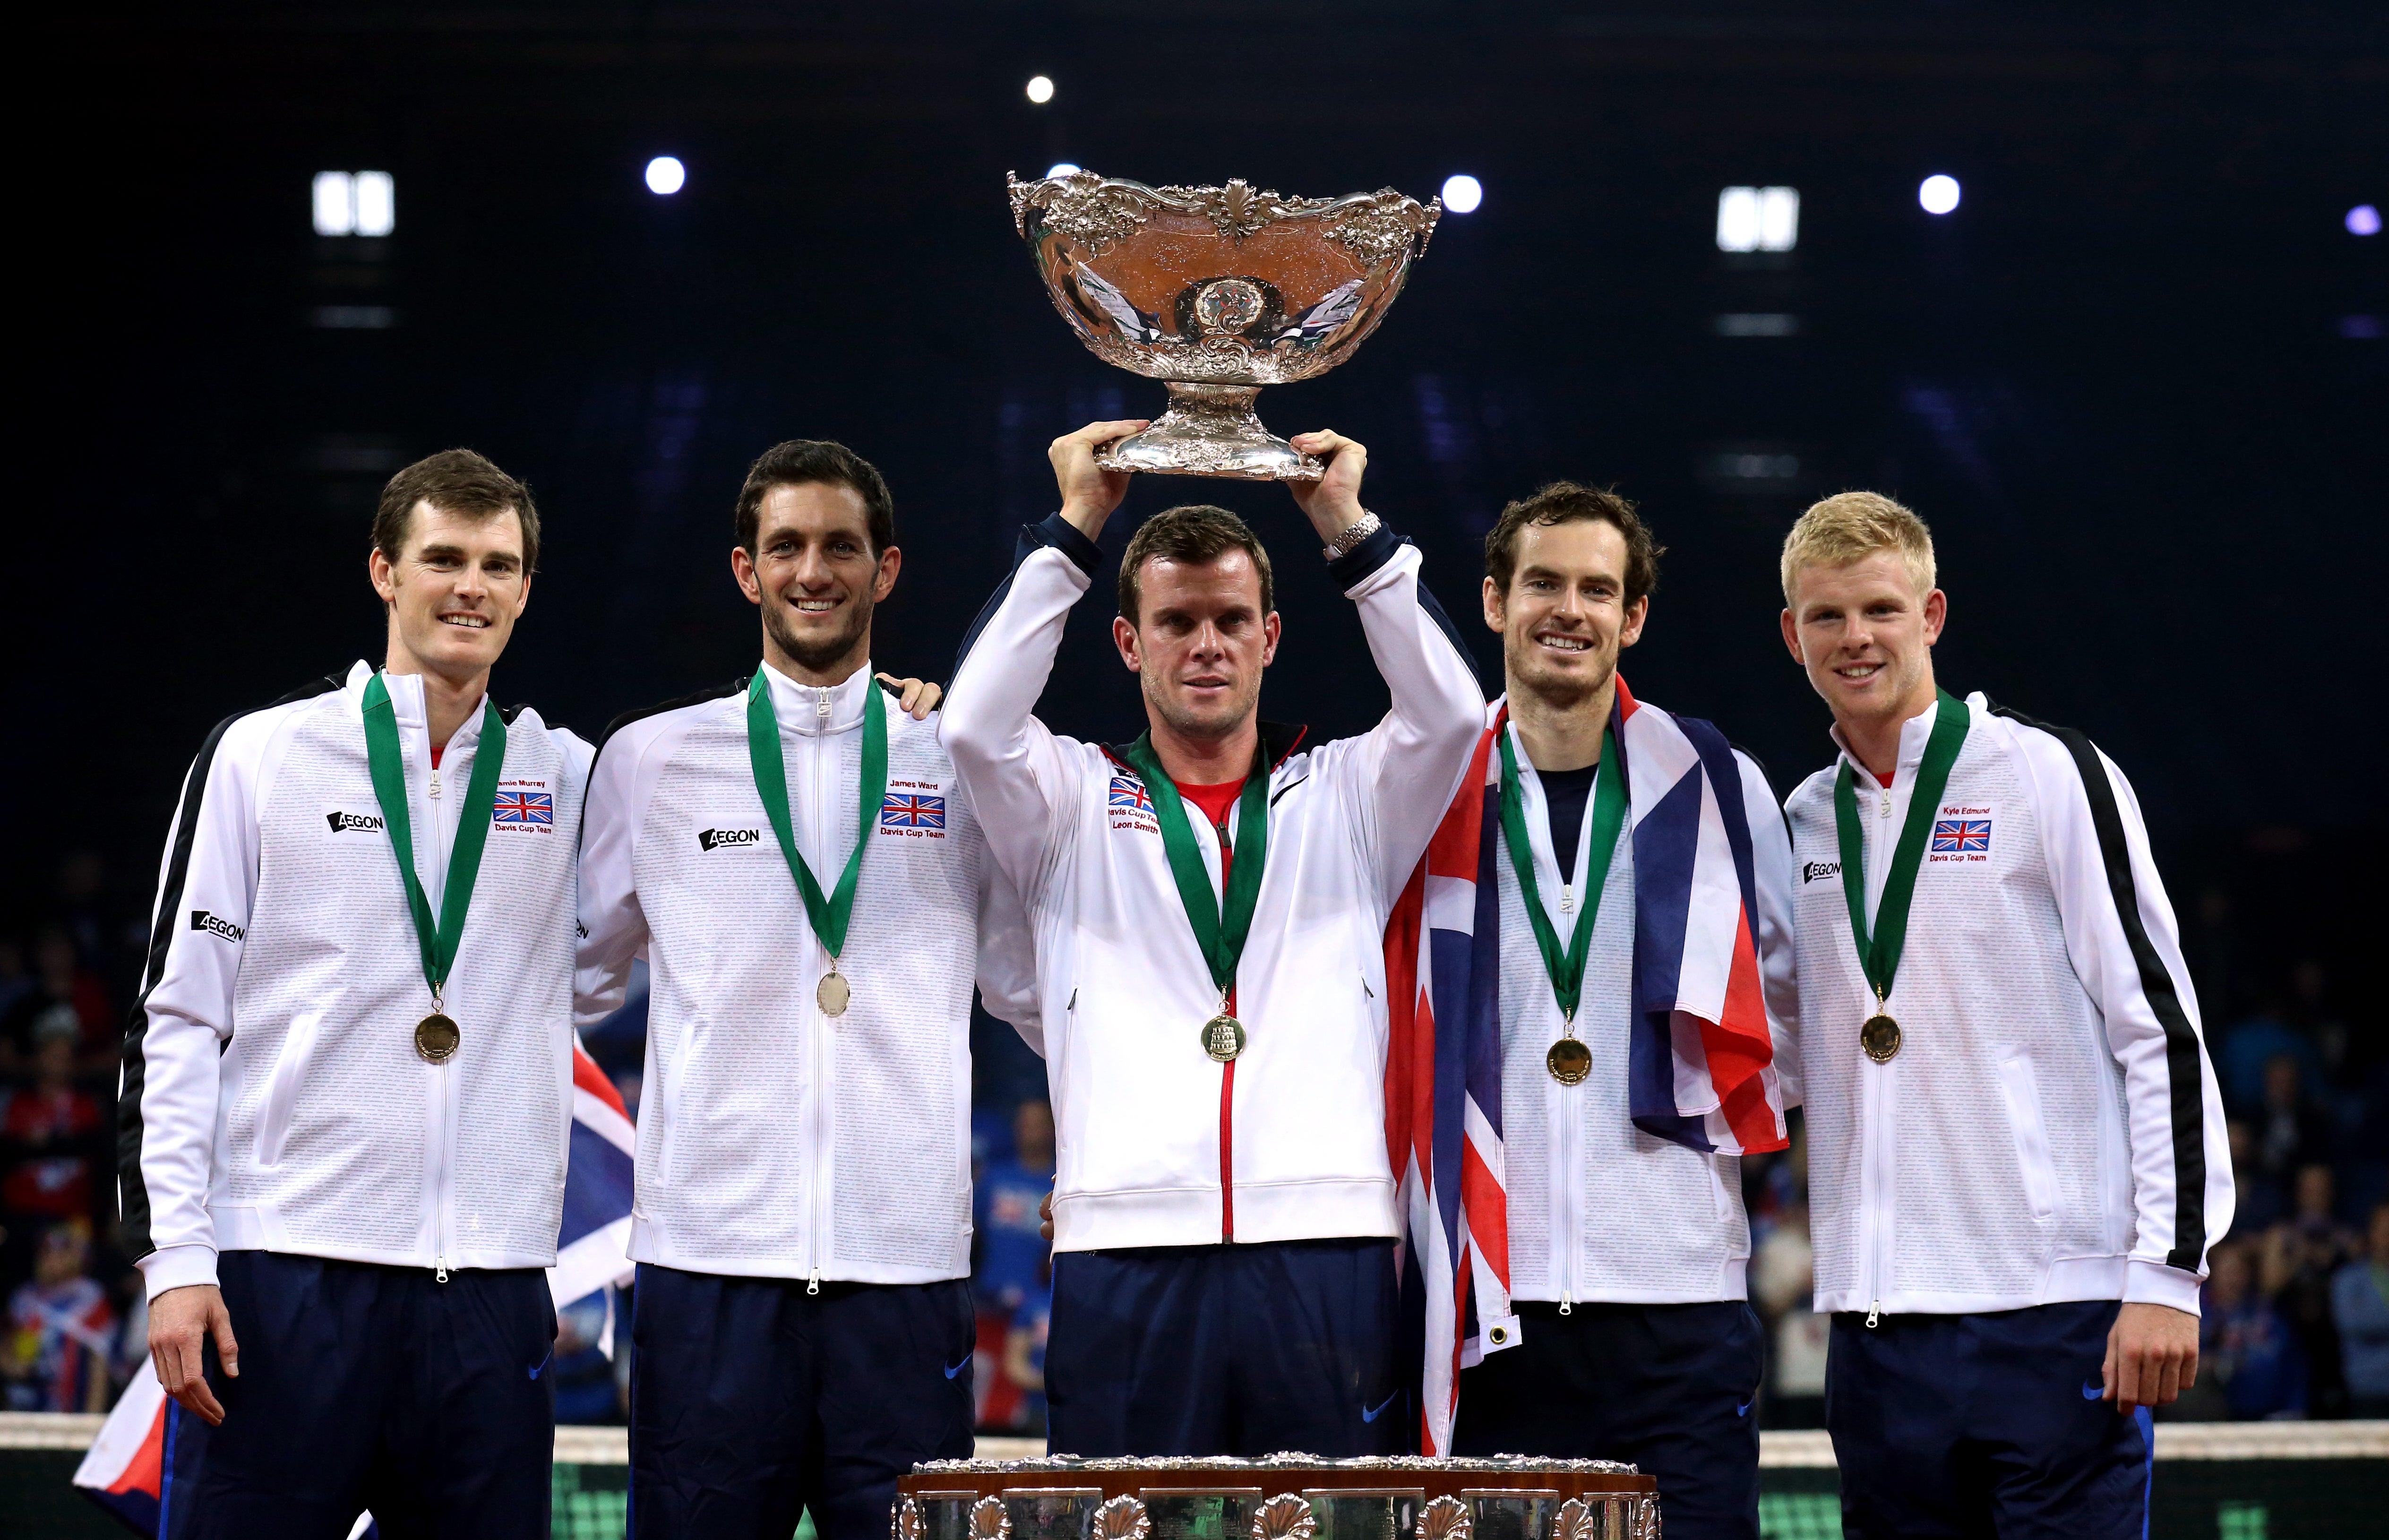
(1227, 1083)
(443, 1100)
(818, 1134)
(1873, 1177)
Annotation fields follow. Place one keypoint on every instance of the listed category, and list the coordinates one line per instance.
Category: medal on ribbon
(1221, 924)
(437, 1036)
(1880, 1036)
(829, 916)
(1568, 1060)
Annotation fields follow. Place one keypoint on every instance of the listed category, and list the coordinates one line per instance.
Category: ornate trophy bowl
(1216, 293)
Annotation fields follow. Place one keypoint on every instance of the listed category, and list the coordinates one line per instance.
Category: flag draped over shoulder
(1700, 1068)
(126, 1467)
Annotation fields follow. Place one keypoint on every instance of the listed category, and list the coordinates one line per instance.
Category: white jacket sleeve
(2126, 947)
(1022, 781)
(613, 927)
(167, 1094)
(1410, 763)
(1770, 856)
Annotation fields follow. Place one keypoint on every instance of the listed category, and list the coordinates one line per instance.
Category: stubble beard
(1188, 723)
(819, 656)
(1560, 692)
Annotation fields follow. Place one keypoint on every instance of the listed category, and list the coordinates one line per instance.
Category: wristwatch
(1356, 532)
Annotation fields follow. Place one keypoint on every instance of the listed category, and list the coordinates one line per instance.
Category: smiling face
(455, 591)
(1865, 637)
(1565, 616)
(815, 577)
(1200, 642)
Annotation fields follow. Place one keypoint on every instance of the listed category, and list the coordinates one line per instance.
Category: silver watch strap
(1356, 532)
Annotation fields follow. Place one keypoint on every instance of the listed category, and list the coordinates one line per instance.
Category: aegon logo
(714, 839)
(1811, 871)
(354, 822)
(215, 926)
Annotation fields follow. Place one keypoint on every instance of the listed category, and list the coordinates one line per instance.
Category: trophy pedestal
(1210, 430)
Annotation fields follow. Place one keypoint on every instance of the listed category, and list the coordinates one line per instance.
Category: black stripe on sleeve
(133, 1193)
(2183, 1072)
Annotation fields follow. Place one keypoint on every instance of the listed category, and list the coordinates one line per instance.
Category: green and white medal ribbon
(1223, 924)
(1879, 953)
(1569, 1060)
(829, 916)
(437, 1035)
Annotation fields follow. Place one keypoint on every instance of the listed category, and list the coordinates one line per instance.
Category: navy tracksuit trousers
(366, 1387)
(753, 1400)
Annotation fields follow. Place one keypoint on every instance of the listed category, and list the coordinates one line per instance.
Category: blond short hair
(1851, 526)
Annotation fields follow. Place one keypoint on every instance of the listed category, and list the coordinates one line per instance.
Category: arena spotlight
(355, 203)
(666, 175)
(1463, 193)
(2364, 220)
(1759, 219)
(1938, 194)
(1040, 90)
(1064, 168)
(376, 203)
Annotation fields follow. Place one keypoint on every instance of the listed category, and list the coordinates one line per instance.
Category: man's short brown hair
(1195, 532)
(458, 481)
(1851, 526)
(801, 462)
(1566, 503)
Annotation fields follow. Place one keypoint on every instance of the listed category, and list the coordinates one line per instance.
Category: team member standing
(1209, 904)
(344, 1113)
(2016, 1151)
(813, 897)
(1644, 880)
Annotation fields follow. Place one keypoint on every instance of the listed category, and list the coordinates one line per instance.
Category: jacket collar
(798, 706)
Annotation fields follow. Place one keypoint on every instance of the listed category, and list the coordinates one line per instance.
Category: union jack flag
(1129, 792)
(1962, 834)
(903, 810)
(524, 807)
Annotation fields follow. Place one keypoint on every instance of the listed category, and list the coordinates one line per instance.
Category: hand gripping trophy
(1216, 293)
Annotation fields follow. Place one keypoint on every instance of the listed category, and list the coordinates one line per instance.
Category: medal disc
(834, 993)
(1880, 1038)
(1569, 1061)
(436, 1037)
(1223, 1037)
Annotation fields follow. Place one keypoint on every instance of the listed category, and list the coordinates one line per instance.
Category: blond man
(2017, 1158)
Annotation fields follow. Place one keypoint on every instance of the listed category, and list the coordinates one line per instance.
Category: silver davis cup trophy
(1216, 293)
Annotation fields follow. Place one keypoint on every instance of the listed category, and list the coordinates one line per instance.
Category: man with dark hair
(812, 893)
(1209, 903)
(1642, 969)
(347, 1085)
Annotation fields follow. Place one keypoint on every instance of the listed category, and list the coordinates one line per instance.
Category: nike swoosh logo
(2092, 1390)
(952, 1369)
(1368, 1415)
(542, 1363)
(1744, 1410)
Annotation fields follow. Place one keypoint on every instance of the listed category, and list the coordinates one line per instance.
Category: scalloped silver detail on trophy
(1285, 1517)
(1216, 293)
(989, 1519)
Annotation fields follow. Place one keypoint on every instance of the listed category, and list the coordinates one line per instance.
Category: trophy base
(1210, 430)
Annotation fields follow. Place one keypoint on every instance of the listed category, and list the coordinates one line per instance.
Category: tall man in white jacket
(1628, 1241)
(1209, 904)
(344, 1114)
(811, 891)
(2016, 1149)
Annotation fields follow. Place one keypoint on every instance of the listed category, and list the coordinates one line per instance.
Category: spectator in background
(2260, 1200)
(1783, 1279)
(50, 1129)
(64, 980)
(2246, 1345)
(1023, 1352)
(62, 1331)
(2359, 1308)
(1013, 1250)
(2300, 1257)
(2251, 1046)
(585, 1389)
(2292, 1130)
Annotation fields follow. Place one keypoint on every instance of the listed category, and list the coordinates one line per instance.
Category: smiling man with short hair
(345, 1102)
(1209, 904)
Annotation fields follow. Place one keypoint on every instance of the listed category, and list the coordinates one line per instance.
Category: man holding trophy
(1208, 905)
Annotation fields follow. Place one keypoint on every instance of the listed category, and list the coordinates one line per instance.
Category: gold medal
(436, 1037)
(834, 993)
(1880, 1038)
(1569, 1061)
(1223, 1037)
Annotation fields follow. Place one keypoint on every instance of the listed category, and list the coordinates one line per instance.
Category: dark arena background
(2135, 376)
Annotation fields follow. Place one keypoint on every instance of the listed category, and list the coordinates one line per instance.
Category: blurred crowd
(2296, 1314)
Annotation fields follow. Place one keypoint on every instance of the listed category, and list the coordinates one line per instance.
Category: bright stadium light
(1064, 168)
(1938, 194)
(1463, 193)
(335, 203)
(376, 198)
(2364, 220)
(1759, 219)
(666, 175)
(1040, 90)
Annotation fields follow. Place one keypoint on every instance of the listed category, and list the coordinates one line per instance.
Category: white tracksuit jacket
(272, 1097)
(775, 1141)
(1158, 1144)
(1599, 1210)
(2049, 1129)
